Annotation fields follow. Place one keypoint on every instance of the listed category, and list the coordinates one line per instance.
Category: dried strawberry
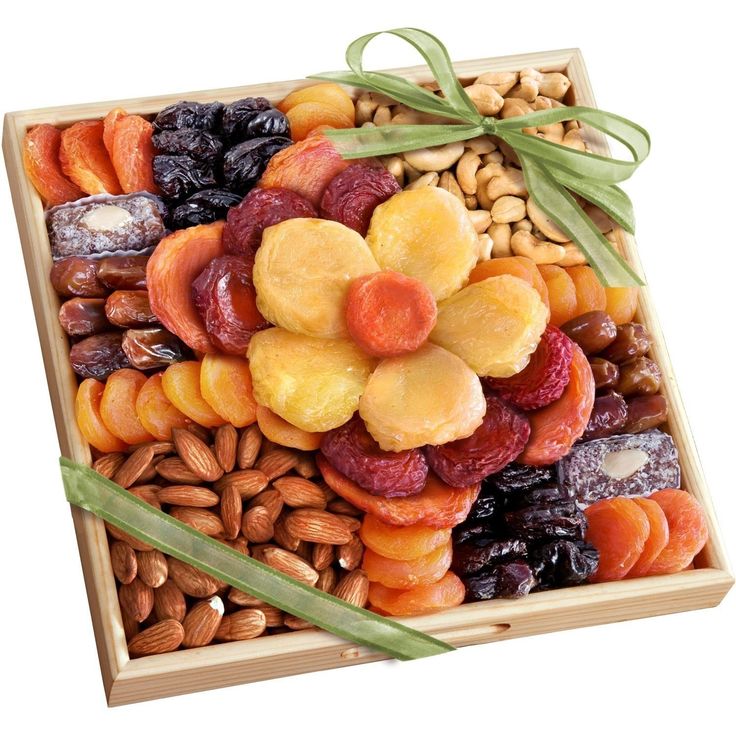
(499, 440)
(545, 377)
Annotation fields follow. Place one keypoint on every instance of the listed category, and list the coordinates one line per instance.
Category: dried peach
(326, 93)
(427, 234)
(306, 116)
(132, 154)
(89, 418)
(519, 266)
(181, 384)
(438, 505)
(447, 592)
(227, 386)
(302, 273)
(494, 325)
(108, 127)
(117, 407)
(178, 259)
(401, 542)
(589, 291)
(310, 382)
(621, 302)
(278, 430)
(406, 403)
(84, 158)
(156, 413)
(563, 300)
(403, 574)
(41, 162)
(659, 535)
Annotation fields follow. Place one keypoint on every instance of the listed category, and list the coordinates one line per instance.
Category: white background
(667, 66)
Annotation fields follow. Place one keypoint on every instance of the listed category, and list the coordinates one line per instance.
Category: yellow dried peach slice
(227, 387)
(181, 384)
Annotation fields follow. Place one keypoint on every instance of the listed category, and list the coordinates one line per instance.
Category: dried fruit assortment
(395, 380)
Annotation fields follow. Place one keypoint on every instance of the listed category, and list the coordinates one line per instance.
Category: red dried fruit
(132, 154)
(498, 441)
(260, 209)
(225, 297)
(389, 314)
(659, 535)
(353, 451)
(545, 377)
(108, 127)
(353, 194)
(84, 158)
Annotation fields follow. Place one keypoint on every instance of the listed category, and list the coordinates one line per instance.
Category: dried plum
(200, 145)
(200, 115)
(549, 494)
(180, 176)
(243, 164)
(487, 505)
(516, 477)
(203, 207)
(268, 123)
(507, 580)
(238, 116)
(472, 557)
(563, 563)
(474, 530)
(556, 521)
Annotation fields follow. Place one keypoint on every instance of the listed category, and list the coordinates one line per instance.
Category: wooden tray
(127, 680)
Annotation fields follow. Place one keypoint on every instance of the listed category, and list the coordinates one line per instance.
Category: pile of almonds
(259, 498)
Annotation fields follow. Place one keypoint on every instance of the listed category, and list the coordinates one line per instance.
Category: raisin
(129, 309)
(243, 164)
(609, 416)
(556, 521)
(81, 317)
(76, 276)
(99, 355)
(506, 580)
(561, 563)
(592, 331)
(605, 373)
(154, 347)
(199, 115)
(123, 272)
(201, 145)
(203, 207)
(472, 557)
(353, 451)
(517, 478)
(632, 340)
(179, 176)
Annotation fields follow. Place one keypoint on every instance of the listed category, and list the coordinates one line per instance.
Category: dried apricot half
(118, 406)
(405, 574)
(563, 300)
(227, 386)
(659, 534)
(132, 154)
(181, 384)
(519, 266)
(278, 430)
(401, 542)
(447, 592)
(306, 116)
(156, 413)
(84, 158)
(326, 93)
(89, 418)
(588, 289)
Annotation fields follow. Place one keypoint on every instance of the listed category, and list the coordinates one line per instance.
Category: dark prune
(153, 348)
(179, 176)
(201, 145)
(267, 123)
(475, 530)
(507, 580)
(203, 207)
(538, 496)
(608, 417)
(486, 505)
(243, 164)
(200, 115)
(129, 309)
(517, 477)
(563, 563)
(98, 356)
(352, 450)
(77, 276)
(123, 272)
(556, 521)
(81, 317)
(237, 115)
(471, 557)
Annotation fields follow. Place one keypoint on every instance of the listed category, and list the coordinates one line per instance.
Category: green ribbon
(550, 169)
(91, 491)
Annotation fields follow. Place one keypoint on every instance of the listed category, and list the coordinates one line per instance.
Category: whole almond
(129, 472)
(241, 625)
(271, 500)
(130, 626)
(350, 522)
(169, 602)
(119, 534)
(202, 520)
(257, 525)
(231, 511)
(109, 464)
(226, 446)
(350, 555)
(304, 550)
(327, 580)
(240, 544)
(124, 562)
(247, 482)
(203, 433)
(297, 624)
(147, 493)
(276, 463)
(241, 598)
(136, 599)
(249, 446)
(341, 506)
(282, 537)
(290, 564)
(190, 580)
(323, 555)
(196, 455)
(174, 470)
(315, 525)
(300, 493)
(153, 569)
(201, 623)
(165, 636)
(274, 616)
(195, 496)
(306, 467)
(149, 473)
(353, 588)
(159, 447)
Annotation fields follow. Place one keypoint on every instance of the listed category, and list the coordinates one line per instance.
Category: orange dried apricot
(84, 158)
(589, 291)
(89, 419)
(41, 162)
(519, 266)
(307, 116)
(621, 303)
(156, 413)
(659, 535)
(688, 530)
(447, 592)
(563, 300)
(278, 430)
(401, 542)
(227, 386)
(403, 574)
(327, 93)
(618, 528)
(108, 127)
(181, 384)
(117, 407)
(132, 154)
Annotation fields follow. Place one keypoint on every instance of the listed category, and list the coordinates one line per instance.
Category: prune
(237, 115)
(516, 478)
(593, 331)
(199, 115)
(180, 176)
(484, 529)
(76, 276)
(243, 164)
(353, 451)
(268, 122)
(556, 521)
(203, 207)
(499, 439)
(123, 272)
(645, 412)
(543, 495)
(201, 145)
(632, 340)
(155, 347)
(81, 317)
(353, 194)
(225, 298)
(605, 373)
(507, 580)
(129, 309)
(561, 563)
(472, 557)
(608, 417)
(638, 377)
(487, 505)
(99, 355)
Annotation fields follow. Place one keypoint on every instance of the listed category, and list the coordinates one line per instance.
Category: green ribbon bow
(550, 169)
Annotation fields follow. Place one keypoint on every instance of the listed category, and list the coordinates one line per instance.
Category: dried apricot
(227, 386)
(84, 158)
(117, 407)
(132, 154)
(447, 592)
(156, 413)
(403, 574)
(519, 266)
(494, 325)
(688, 530)
(657, 540)
(389, 314)
(427, 234)
(108, 127)
(310, 382)
(178, 259)
(278, 430)
(589, 291)
(406, 403)
(326, 93)
(401, 542)
(41, 161)
(438, 505)
(89, 418)
(302, 273)
(306, 116)
(563, 300)
(181, 384)
(621, 302)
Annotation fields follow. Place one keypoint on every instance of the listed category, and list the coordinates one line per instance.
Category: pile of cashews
(484, 173)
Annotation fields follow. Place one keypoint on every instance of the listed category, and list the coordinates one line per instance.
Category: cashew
(500, 233)
(485, 247)
(410, 172)
(574, 139)
(481, 220)
(367, 104)
(485, 98)
(430, 179)
(509, 181)
(600, 219)
(545, 103)
(508, 209)
(551, 84)
(515, 106)
(437, 158)
(382, 116)
(502, 82)
(466, 169)
(573, 256)
(545, 224)
(449, 182)
(394, 165)
(521, 225)
(571, 125)
(495, 157)
(509, 154)
(369, 124)
(471, 202)
(527, 89)
(480, 145)
(482, 177)
(540, 251)
(554, 132)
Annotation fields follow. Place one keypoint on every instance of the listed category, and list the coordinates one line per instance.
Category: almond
(147, 493)
(240, 545)
(202, 520)
(271, 500)
(136, 599)
(203, 433)
(241, 598)
(130, 626)
(119, 534)
(297, 624)
(174, 470)
(196, 455)
(257, 525)
(169, 602)
(349, 555)
(129, 472)
(300, 493)
(124, 562)
(277, 462)
(350, 522)
(190, 580)
(165, 636)
(290, 564)
(153, 568)
(249, 446)
(231, 511)
(306, 467)
(327, 580)
(149, 472)
(226, 446)
(109, 464)
(241, 625)
(341, 506)
(323, 555)
(282, 537)
(159, 447)
(247, 482)
(314, 525)
(201, 623)
(353, 588)
(274, 616)
(304, 550)
(195, 496)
